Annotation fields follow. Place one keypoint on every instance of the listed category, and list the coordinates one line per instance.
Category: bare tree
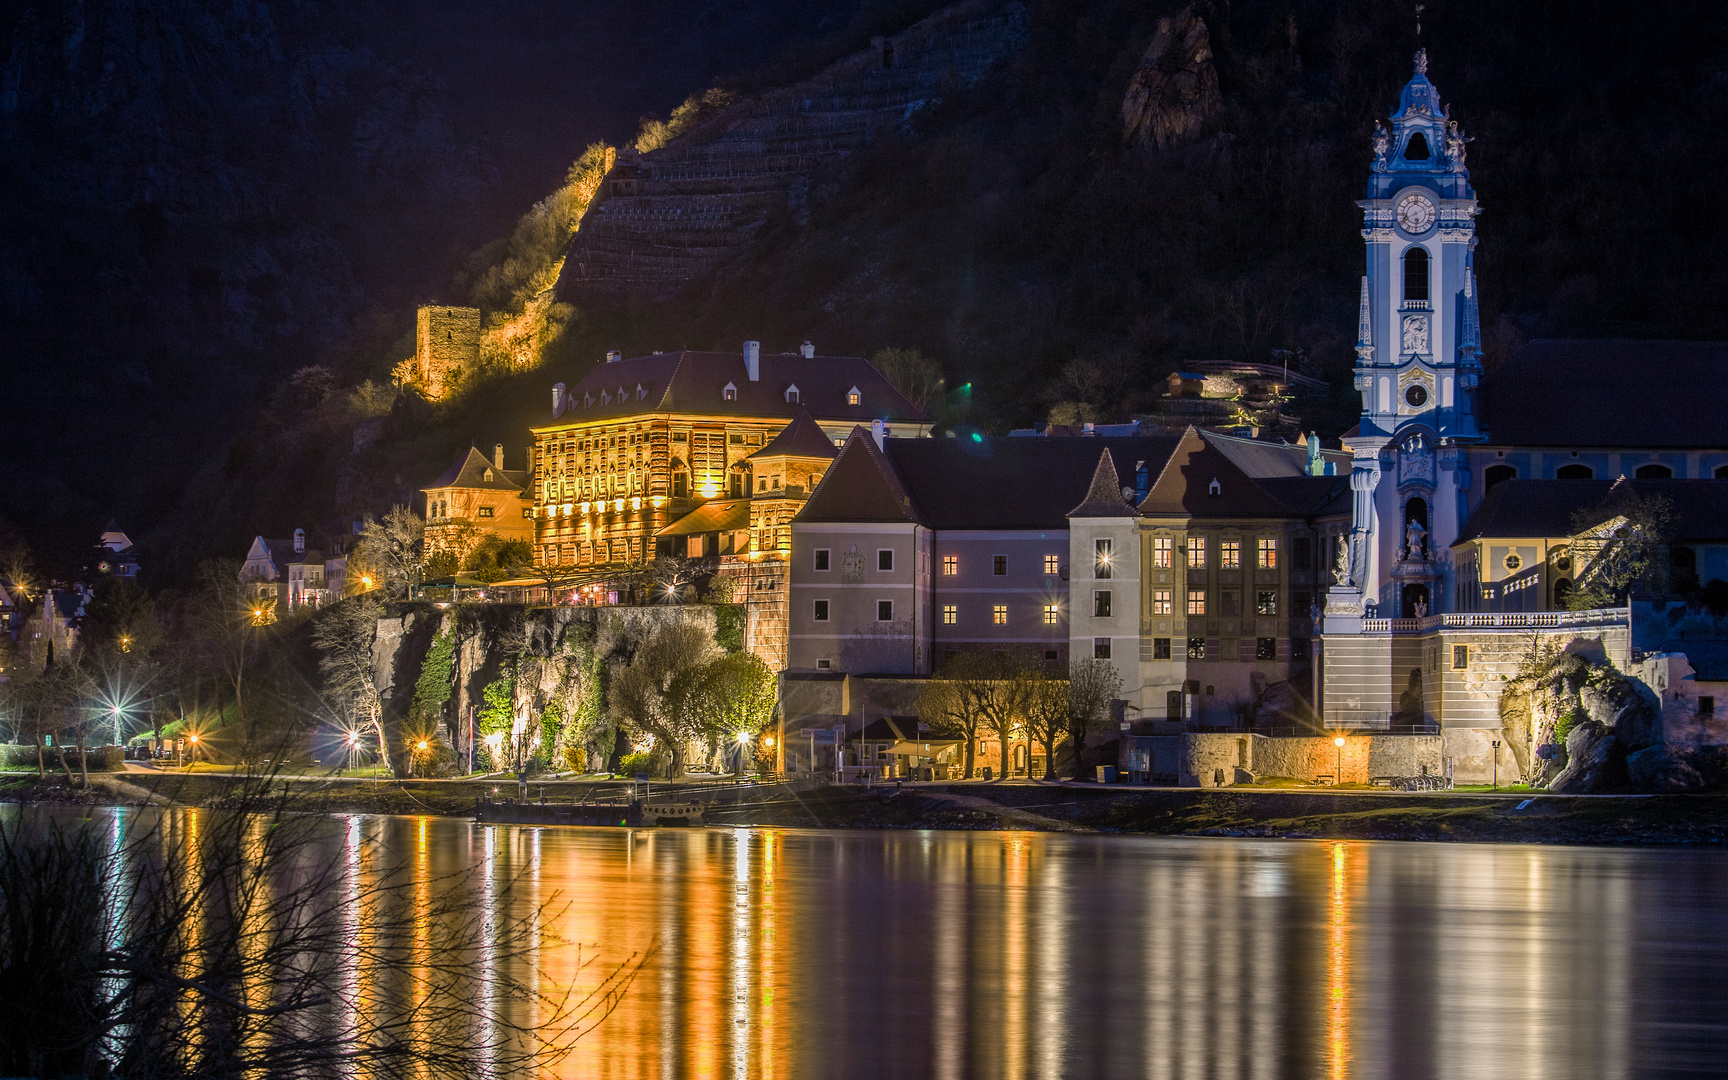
(916, 376)
(390, 549)
(1092, 685)
(1047, 714)
(963, 697)
(344, 633)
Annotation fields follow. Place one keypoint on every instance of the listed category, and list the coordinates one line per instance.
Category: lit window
(1101, 605)
(1101, 558)
(1196, 601)
(821, 613)
(1052, 564)
(852, 396)
(1161, 546)
(1230, 555)
(485, 512)
(1161, 602)
(1266, 602)
(884, 611)
(1052, 614)
(821, 558)
(1196, 553)
(885, 559)
(1196, 648)
(999, 565)
(1268, 553)
(999, 614)
(950, 565)
(950, 614)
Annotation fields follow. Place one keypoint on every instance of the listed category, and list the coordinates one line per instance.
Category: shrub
(639, 762)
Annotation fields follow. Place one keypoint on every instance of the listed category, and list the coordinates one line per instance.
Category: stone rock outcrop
(1662, 769)
(1595, 762)
(1174, 93)
(666, 218)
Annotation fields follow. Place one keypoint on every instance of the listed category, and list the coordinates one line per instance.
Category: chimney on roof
(557, 400)
(878, 431)
(498, 456)
(807, 350)
(299, 541)
(614, 356)
(753, 360)
(1088, 429)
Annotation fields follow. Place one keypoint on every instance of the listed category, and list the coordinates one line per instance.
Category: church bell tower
(1418, 357)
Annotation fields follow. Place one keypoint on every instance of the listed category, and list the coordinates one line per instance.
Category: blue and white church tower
(1418, 359)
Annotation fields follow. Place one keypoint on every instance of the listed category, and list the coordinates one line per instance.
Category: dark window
(821, 558)
(1706, 708)
(1416, 272)
(1574, 472)
(885, 559)
(1301, 604)
(824, 665)
(1298, 649)
(1416, 510)
(1266, 648)
(1160, 648)
(1301, 553)
(1654, 472)
(1721, 472)
(1562, 592)
(1050, 655)
(1196, 648)
(1417, 148)
(1173, 705)
(1266, 602)
(1460, 657)
(1101, 648)
(1101, 605)
(1227, 603)
(1493, 474)
(680, 485)
(884, 611)
(821, 611)
(999, 565)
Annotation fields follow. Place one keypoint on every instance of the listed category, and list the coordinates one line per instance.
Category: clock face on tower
(1415, 214)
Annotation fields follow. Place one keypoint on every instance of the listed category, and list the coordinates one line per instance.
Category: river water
(806, 953)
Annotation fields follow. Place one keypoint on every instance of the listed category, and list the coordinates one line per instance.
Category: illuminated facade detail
(476, 496)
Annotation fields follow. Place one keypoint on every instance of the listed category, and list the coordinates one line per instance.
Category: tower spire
(1470, 335)
(1364, 328)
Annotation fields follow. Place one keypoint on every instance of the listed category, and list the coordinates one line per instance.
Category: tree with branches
(1047, 711)
(1092, 685)
(737, 697)
(1618, 543)
(390, 550)
(344, 632)
(658, 692)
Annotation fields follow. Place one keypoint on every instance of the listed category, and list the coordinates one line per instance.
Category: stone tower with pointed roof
(1104, 576)
(1418, 351)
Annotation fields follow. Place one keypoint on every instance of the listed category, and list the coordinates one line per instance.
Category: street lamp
(1339, 778)
(1495, 743)
(116, 712)
(194, 760)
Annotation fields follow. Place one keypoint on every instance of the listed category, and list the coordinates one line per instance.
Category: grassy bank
(1447, 816)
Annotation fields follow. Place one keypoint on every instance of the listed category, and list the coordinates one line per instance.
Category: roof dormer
(853, 397)
(729, 392)
(792, 394)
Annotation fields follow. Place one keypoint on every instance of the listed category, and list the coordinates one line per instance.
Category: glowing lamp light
(1338, 742)
(422, 744)
(194, 738)
(768, 740)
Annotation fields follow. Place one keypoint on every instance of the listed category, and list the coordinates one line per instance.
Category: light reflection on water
(795, 953)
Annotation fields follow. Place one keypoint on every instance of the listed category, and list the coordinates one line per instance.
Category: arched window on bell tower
(1417, 148)
(1416, 275)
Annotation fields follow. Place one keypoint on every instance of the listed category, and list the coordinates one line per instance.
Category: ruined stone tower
(446, 344)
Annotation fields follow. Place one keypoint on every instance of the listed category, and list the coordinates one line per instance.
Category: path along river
(803, 953)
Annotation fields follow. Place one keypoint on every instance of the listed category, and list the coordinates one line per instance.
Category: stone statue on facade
(1455, 149)
(1341, 564)
(1382, 146)
(1416, 333)
(1415, 541)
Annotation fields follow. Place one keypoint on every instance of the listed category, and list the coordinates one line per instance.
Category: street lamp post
(1495, 743)
(1338, 743)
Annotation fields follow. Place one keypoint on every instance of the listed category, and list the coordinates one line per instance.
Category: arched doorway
(1562, 592)
(1414, 601)
(1493, 474)
(1020, 759)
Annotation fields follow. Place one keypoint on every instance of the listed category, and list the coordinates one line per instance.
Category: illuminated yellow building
(476, 496)
(640, 443)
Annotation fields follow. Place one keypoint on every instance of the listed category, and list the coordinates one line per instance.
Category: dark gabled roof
(1014, 483)
(715, 515)
(1104, 496)
(801, 438)
(1544, 508)
(861, 486)
(1609, 393)
(1184, 488)
(470, 472)
(692, 382)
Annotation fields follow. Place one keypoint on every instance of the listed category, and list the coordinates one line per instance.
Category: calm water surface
(801, 953)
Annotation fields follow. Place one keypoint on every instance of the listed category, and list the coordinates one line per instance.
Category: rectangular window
(1266, 648)
(1101, 648)
(821, 613)
(737, 438)
(950, 565)
(1101, 558)
(1196, 553)
(485, 512)
(1161, 602)
(1230, 555)
(1301, 553)
(1052, 564)
(999, 565)
(824, 665)
(1052, 614)
(950, 614)
(1160, 648)
(821, 558)
(999, 614)
(1101, 605)
(885, 559)
(1460, 657)
(1196, 601)
(1266, 602)
(1706, 708)
(1051, 656)
(884, 611)
(1299, 650)
(1227, 603)
(1196, 648)
(1161, 546)
(1268, 553)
